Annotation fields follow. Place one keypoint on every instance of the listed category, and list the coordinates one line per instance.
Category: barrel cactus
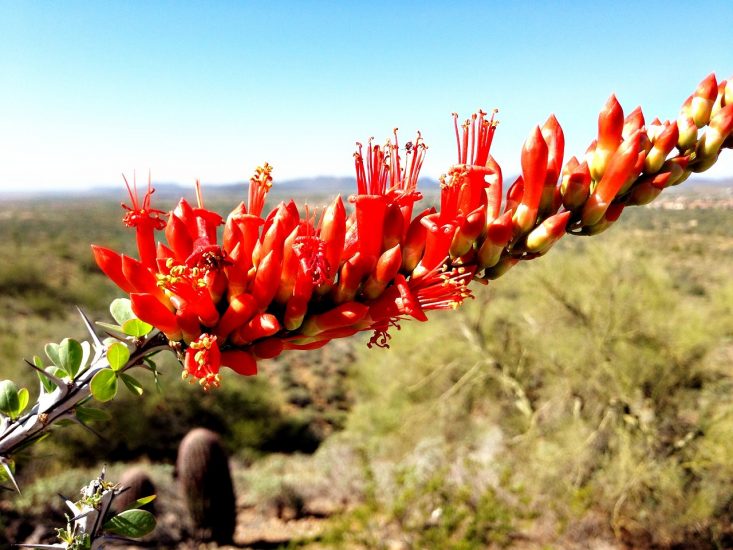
(137, 485)
(203, 475)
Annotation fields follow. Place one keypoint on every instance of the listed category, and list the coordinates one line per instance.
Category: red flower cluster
(292, 281)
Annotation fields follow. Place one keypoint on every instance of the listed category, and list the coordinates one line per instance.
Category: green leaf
(88, 414)
(133, 385)
(139, 503)
(110, 326)
(23, 397)
(118, 355)
(121, 310)
(131, 523)
(136, 328)
(52, 351)
(86, 348)
(104, 385)
(37, 361)
(9, 399)
(70, 355)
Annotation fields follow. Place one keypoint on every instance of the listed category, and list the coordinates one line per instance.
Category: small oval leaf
(52, 351)
(23, 397)
(104, 385)
(139, 503)
(131, 523)
(118, 355)
(121, 310)
(70, 355)
(9, 400)
(136, 328)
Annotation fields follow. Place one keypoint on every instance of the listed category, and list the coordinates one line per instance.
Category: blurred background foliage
(584, 396)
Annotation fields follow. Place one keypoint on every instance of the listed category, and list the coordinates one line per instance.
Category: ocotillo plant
(94, 522)
(294, 280)
(202, 468)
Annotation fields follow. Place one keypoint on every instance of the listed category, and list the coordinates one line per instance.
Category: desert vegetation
(585, 399)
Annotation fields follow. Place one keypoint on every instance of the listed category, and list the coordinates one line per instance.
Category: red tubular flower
(145, 220)
(345, 315)
(403, 180)
(202, 360)
(370, 202)
(240, 311)
(438, 239)
(262, 325)
(110, 262)
(241, 362)
(394, 229)
(267, 349)
(148, 308)
(279, 281)
(475, 164)
(178, 237)
(267, 278)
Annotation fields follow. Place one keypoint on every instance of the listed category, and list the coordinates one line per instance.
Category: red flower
(282, 281)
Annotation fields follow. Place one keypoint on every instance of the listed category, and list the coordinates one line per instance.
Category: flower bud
(542, 237)
(621, 169)
(661, 147)
(534, 171)
(240, 310)
(687, 133)
(504, 265)
(648, 188)
(702, 100)
(575, 187)
(610, 129)
(387, 267)
(414, 245)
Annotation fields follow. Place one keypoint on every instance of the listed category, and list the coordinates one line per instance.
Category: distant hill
(319, 187)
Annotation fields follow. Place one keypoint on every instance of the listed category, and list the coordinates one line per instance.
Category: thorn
(83, 515)
(9, 473)
(55, 379)
(90, 429)
(90, 327)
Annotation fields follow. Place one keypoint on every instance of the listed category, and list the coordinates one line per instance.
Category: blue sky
(210, 90)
